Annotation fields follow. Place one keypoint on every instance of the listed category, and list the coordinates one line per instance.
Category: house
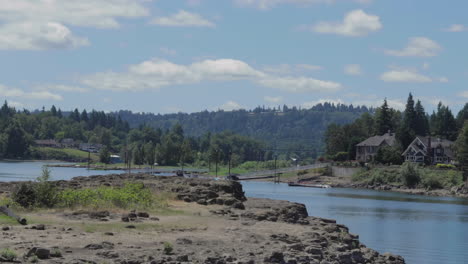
(366, 150)
(89, 147)
(114, 159)
(51, 143)
(68, 143)
(430, 150)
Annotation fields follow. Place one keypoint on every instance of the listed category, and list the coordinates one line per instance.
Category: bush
(340, 156)
(8, 254)
(431, 182)
(41, 194)
(410, 174)
(445, 166)
(168, 248)
(389, 155)
(25, 195)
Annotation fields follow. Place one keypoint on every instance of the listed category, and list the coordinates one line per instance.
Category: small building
(430, 150)
(89, 147)
(68, 143)
(114, 159)
(367, 149)
(51, 143)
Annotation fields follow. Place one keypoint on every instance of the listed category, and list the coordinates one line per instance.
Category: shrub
(8, 254)
(25, 195)
(340, 156)
(445, 166)
(41, 194)
(389, 155)
(410, 174)
(431, 181)
(168, 248)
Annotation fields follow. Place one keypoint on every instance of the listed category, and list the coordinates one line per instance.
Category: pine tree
(383, 119)
(421, 121)
(53, 110)
(407, 130)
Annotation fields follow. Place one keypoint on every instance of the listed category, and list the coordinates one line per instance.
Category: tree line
(414, 121)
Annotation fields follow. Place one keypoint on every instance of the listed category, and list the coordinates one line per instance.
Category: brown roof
(375, 141)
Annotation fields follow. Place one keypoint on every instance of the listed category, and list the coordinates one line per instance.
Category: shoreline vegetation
(104, 219)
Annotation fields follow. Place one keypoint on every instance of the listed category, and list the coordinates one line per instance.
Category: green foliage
(445, 166)
(433, 179)
(168, 248)
(131, 195)
(462, 150)
(56, 253)
(40, 194)
(340, 156)
(34, 259)
(410, 174)
(8, 254)
(104, 155)
(389, 155)
(25, 195)
(378, 176)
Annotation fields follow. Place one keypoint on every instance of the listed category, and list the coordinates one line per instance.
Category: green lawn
(64, 154)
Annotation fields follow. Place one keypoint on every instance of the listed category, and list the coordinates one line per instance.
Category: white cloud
(353, 69)
(417, 47)
(463, 94)
(183, 19)
(62, 88)
(230, 106)
(268, 4)
(409, 76)
(155, 74)
(42, 95)
(15, 104)
(443, 79)
(44, 24)
(273, 99)
(35, 36)
(309, 67)
(426, 66)
(299, 84)
(457, 28)
(355, 24)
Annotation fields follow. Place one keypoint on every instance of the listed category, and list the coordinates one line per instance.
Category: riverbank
(188, 230)
(349, 181)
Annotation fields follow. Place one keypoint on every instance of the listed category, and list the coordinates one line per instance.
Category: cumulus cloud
(35, 36)
(456, 28)
(300, 84)
(230, 106)
(157, 73)
(268, 4)
(18, 93)
(183, 19)
(355, 24)
(273, 99)
(43, 24)
(417, 47)
(353, 69)
(409, 76)
(463, 94)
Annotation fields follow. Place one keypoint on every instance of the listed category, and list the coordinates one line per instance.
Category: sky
(165, 56)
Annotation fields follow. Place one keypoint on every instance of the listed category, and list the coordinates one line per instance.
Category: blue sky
(190, 55)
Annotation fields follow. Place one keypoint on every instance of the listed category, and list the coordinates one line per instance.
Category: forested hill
(283, 127)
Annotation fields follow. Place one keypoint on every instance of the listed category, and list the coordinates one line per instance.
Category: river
(424, 230)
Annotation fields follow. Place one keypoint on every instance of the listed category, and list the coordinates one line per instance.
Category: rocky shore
(212, 222)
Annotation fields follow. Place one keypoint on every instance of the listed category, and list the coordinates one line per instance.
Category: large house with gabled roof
(367, 149)
(430, 150)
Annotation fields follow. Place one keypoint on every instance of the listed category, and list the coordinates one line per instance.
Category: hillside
(289, 129)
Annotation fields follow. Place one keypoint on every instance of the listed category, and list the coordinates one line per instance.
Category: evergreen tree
(443, 123)
(462, 150)
(421, 123)
(462, 116)
(84, 116)
(407, 131)
(53, 110)
(383, 119)
(104, 155)
(17, 142)
(59, 113)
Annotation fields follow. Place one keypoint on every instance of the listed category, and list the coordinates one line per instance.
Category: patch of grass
(62, 154)
(8, 254)
(132, 195)
(6, 220)
(34, 259)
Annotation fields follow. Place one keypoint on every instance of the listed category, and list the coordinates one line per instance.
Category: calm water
(25, 171)
(424, 230)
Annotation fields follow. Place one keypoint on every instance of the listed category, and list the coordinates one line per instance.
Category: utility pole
(89, 158)
(216, 152)
(276, 177)
(229, 166)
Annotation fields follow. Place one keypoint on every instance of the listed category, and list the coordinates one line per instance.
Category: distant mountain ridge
(289, 129)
